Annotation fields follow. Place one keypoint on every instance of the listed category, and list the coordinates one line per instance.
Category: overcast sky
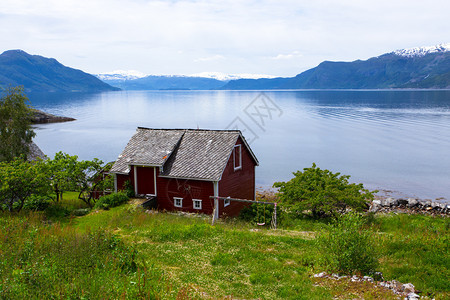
(276, 37)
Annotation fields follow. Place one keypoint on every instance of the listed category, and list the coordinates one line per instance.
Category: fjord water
(395, 140)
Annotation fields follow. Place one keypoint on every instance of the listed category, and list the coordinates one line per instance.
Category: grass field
(127, 253)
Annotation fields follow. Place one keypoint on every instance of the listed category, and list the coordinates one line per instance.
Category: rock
(320, 275)
(378, 276)
(412, 202)
(392, 201)
(402, 201)
(376, 202)
(40, 117)
(368, 278)
(408, 288)
(388, 202)
(354, 278)
(435, 205)
(396, 285)
(412, 296)
(375, 206)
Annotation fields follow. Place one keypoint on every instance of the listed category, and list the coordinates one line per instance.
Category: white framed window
(177, 202)
(226, 202)
(197, 203)
(237, 157)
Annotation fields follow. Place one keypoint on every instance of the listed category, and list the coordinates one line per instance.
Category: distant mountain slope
(427, 67)
(40, 74)
(154, 82)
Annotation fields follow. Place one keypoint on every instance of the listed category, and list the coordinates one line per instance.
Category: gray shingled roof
(35, 152)
(195, 154)
(147, 147)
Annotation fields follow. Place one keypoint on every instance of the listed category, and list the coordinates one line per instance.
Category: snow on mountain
(421, 51)
(120, 75)
(130, 75)
(227, 77)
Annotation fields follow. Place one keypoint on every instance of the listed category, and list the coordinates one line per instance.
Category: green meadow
(128, 253)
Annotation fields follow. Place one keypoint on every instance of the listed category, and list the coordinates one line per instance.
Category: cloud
(287, 56)
(209, 58)
(156, 36)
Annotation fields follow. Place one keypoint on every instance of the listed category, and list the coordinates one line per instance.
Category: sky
(274, 37)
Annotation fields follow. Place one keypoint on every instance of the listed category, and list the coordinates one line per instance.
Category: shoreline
(40, 117)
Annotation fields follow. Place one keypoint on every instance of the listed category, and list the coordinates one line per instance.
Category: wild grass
(128, 253)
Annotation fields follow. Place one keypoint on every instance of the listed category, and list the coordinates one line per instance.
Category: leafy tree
(68, 174)
(19, 179)
(15, 124)
(61, 171)
(322, 193)
(91, 178)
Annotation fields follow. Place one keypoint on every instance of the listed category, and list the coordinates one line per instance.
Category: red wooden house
(182, 168)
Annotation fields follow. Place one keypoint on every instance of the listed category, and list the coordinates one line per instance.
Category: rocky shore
(40, 117)
(409, 205)
(405, 291)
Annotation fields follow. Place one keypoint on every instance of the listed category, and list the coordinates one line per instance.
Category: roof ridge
(192, 129)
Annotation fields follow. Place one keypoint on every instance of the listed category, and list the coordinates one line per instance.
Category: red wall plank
(237, 183)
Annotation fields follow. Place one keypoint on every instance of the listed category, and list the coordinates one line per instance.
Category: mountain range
(425, 67)
(421, 67)
(40, 74)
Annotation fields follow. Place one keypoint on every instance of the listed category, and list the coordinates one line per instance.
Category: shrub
(37, 203)
(257, 213)
(80, 212)
(111, 200)
(348, 247)
(129, 189)
(321, 192)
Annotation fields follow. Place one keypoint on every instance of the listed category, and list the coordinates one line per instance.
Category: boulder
(408, 288)
(392, 202)
(412, 296)
(402, 201)
(435, 205)
(412, 202)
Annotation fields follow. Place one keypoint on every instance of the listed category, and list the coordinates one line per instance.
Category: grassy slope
(178, 256)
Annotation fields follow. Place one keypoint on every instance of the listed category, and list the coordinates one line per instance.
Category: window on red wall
(237, 157)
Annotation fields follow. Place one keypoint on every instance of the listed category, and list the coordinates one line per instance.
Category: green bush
(37, 203)
(347, 247)
(111, 200)
(80, 212)
(129, 189)
(322, 193)
(259, 213)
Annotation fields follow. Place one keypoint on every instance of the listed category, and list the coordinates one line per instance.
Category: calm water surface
(395, 140)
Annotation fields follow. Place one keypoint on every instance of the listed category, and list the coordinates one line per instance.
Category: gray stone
(435, 205)
(408, 288)
(320, 275)
(396, 285)
(412, 296)
(392, 201)
(376, 202)
(412, 202)
(402, 201)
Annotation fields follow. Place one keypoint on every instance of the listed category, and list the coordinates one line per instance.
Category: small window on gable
(237, 157)
(197, 203)
(177, 202)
